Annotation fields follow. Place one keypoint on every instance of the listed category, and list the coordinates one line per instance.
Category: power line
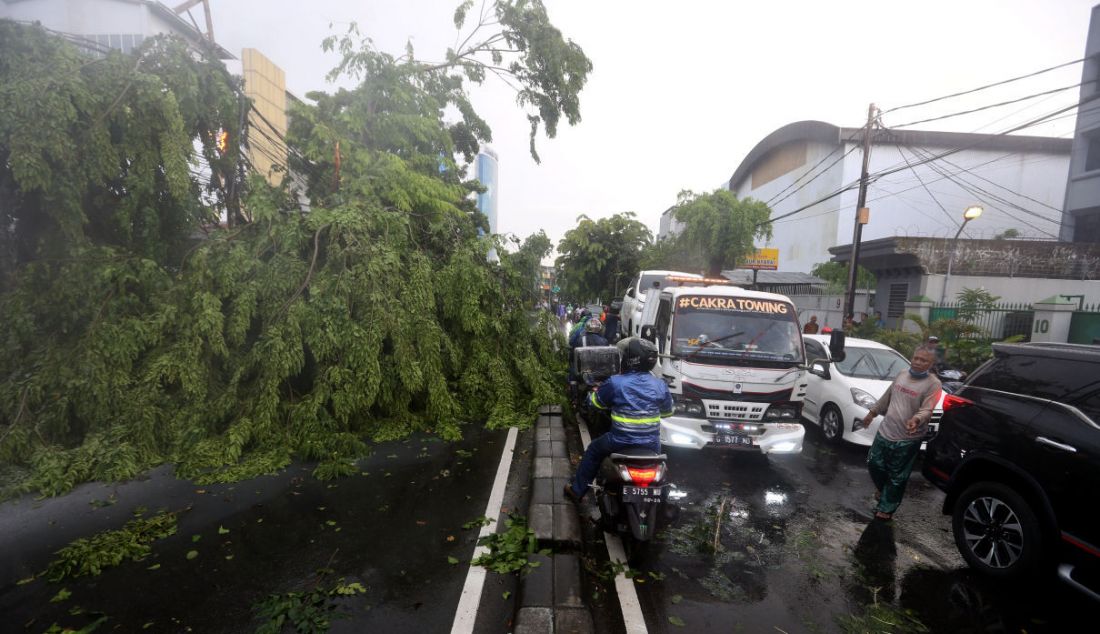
(993, 105)
(816, 165)
(930, 194)
(979, 88)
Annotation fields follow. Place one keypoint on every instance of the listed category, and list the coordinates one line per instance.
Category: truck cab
(734, 362)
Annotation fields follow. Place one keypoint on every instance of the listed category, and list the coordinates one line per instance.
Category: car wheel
(996, 531)
(832, 425)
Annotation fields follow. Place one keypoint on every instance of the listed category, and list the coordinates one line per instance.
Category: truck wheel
(832, 424)
(996, 531)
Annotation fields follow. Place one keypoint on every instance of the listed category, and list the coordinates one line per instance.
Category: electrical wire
(980, 88)
(993, 105)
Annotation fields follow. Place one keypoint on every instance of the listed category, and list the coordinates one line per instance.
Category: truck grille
(725, 410)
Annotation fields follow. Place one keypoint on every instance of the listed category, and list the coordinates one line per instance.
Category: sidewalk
(550, 599)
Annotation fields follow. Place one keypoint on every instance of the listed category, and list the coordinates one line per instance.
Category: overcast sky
(681, 91)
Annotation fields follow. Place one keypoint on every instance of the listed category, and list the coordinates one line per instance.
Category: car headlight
(688, 407)
(863, 399)
(783, 412)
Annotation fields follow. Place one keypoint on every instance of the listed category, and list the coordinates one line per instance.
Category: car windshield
(871, 363)
(736, 331)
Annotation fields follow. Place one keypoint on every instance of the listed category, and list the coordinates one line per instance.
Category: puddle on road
(797, 550)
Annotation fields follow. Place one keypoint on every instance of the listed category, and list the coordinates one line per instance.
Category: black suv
(1018, 454)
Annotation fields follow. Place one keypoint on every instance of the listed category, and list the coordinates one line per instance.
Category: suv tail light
(951, 402)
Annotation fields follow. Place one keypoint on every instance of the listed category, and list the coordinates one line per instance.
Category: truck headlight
(863, 399)
(688, 407)
(783, 412)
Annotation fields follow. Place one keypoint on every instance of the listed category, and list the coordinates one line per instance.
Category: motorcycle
(632, 490)
(635, 498)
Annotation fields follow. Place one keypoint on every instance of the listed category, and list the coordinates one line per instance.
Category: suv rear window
(1037, 376)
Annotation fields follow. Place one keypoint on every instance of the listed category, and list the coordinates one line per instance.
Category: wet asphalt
(788, 544)
(391, 528)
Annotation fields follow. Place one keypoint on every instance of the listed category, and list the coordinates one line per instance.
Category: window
(664, 313)
(1092, 151)
(871, 363)
(814, 350)
(1039, 377)
(895, 307)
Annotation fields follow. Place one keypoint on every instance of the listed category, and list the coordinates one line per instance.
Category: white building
(1019, 180)
(117, 24)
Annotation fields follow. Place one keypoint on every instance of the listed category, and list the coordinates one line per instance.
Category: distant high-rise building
(487, 176)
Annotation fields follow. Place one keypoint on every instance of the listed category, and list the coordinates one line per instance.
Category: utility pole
(862, 216)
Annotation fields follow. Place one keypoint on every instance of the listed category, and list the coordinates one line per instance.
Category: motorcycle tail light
(642, 477)
(950, 401)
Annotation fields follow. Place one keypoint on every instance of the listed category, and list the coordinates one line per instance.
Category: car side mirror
(649, 332)
(836, 345)
(821, 369)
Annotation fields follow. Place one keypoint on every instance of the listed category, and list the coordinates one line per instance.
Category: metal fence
(997, 322)
(1084, 326)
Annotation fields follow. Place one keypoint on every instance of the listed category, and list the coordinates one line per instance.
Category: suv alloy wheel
(996, 531)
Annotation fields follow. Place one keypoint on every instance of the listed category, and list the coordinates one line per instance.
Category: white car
(630, 315)
(839, 394)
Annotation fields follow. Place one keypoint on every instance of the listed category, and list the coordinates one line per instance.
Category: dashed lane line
(633, 619)
(468, 603)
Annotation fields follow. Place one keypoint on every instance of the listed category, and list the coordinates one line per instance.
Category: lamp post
(971, 213)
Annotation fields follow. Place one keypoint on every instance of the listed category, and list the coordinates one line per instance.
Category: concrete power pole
(862, 216)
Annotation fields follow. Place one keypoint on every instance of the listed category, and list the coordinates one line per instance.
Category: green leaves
(598, 258)
(137, 332)
(509, 550)
(719, 230)
(89, 556)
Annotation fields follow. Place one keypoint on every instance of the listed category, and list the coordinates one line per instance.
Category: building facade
(116, 24)
(1016, 271)
(1081, 222)
(1019, 180)
(486, 168)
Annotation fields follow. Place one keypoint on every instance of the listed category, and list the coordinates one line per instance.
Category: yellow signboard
(763, 260)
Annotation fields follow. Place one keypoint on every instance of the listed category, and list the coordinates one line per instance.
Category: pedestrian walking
(907, 408)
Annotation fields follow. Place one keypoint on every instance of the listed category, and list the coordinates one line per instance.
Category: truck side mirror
(649, 332)
(836, 345)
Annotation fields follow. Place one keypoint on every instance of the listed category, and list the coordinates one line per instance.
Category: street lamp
(972, 212)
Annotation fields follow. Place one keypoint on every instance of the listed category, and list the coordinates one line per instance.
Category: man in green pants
(907, 407)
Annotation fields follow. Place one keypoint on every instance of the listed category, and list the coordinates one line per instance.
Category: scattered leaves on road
(61, 595)
(677, 621)
(191, 554)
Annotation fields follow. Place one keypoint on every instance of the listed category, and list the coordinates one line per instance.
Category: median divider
(550, 598)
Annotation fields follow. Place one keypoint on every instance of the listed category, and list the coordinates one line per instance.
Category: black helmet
(640, 355)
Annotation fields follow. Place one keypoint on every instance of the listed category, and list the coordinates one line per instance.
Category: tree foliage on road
(131, 339)
(719, 230)
(598, 258)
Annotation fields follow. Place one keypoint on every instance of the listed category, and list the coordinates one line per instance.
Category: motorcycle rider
(589, 334)
(637, 400)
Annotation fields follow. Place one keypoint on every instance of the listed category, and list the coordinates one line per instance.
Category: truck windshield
(736, 331)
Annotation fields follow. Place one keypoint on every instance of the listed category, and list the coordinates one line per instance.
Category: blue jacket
(638, 401)
(579, 340)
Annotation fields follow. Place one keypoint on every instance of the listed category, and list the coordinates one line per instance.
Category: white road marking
(633, 619)
(466, 614)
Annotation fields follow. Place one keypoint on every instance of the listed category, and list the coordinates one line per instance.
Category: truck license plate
(732, 439)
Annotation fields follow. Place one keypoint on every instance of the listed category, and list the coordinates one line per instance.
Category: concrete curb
(550, 596)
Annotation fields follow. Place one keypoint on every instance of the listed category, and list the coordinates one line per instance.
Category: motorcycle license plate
(733, 440)
(632, 494)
